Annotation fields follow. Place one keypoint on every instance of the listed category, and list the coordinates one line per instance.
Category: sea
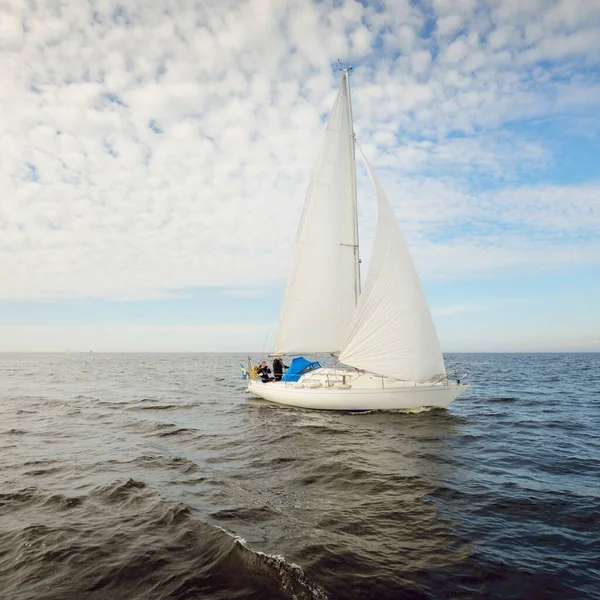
(155, 476)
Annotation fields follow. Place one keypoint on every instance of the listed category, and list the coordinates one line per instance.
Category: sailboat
(384, 339)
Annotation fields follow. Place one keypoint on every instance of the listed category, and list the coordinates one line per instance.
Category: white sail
(322, 288)
(392, 332)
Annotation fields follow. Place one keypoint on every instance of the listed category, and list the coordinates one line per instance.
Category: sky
(156, 156)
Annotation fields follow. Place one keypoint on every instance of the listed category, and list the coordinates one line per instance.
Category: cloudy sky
(155, 158)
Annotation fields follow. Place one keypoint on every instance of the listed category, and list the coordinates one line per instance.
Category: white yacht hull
(355, 398)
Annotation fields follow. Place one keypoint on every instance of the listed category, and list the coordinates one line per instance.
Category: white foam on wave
(419, 409)
(293, 579)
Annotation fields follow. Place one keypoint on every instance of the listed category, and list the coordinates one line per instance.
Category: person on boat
(278, 368)
(264, 372)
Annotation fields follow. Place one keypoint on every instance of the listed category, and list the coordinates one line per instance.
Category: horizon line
(266, 352)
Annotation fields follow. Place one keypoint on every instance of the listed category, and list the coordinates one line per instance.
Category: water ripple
(156, 477)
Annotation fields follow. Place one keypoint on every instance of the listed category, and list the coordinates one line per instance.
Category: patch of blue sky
(155, 127)
(109, 148)
(490, 230)
(583, 282)
(462, 230)
(194, 307)
(32, 172)
(569, 240)
(478, 178)
(571, 159)
(430, 21)
(115, 99)
(120, 16)
(573, 143)
(534, 306)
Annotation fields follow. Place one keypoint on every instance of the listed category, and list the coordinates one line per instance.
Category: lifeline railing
(454, 374)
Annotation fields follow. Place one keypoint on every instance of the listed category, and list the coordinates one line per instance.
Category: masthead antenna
(341, 66)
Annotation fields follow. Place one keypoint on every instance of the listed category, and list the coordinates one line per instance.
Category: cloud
(470, 307)
(244, 292)
(149, 148)
(420, 61)
(583, 345)
(445, 311)
(142, 338)
(455, 233)
(449, 24)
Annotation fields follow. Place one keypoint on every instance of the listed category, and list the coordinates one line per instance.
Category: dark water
(155, 476)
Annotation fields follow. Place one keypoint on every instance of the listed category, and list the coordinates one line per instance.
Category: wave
(503, 399)
(291, 577)
(102, 498)
(123, 539)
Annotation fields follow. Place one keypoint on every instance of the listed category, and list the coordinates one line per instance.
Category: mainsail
(322, 288)
(392, 332)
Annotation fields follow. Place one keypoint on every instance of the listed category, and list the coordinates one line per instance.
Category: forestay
(320, 295)
(392, 332)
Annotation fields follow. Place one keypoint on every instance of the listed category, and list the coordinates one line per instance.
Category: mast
(354, 194)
